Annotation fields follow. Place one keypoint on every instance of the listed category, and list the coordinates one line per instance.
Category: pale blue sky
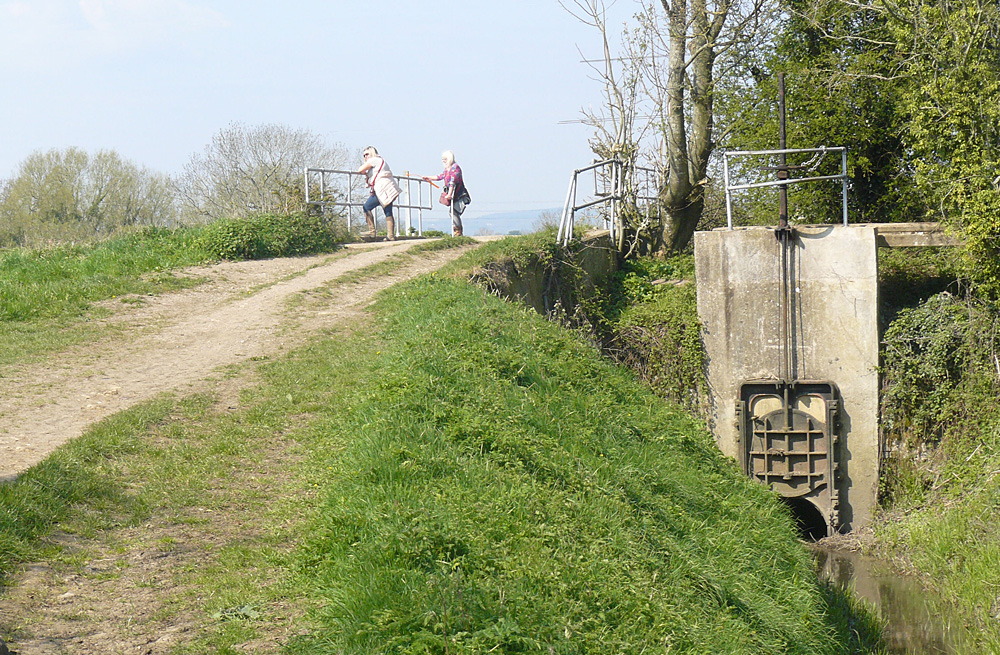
(156, 79)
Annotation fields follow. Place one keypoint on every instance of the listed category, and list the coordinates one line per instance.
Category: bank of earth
(439, 472)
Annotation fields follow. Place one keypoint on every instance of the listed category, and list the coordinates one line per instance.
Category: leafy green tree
(70, 194)
(845, 84)
(252, 170)
(953, 104)
(913, 89)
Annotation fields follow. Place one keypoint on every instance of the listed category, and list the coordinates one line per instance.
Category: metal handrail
(325, 178)
(612, 193)
(783, 183)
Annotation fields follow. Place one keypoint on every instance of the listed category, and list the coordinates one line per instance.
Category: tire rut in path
(181, 339)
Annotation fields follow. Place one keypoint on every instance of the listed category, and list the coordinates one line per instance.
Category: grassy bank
(63, 281)
(45, 293)
(940, 489)
(462, 477)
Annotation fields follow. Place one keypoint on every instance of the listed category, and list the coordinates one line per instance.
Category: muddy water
(916, 624)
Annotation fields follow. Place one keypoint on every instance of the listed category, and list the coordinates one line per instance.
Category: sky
(499, 83)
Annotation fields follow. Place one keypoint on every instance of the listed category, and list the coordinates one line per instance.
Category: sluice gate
(789, 438)
(790, 327)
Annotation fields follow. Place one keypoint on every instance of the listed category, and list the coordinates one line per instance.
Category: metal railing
(327, 187)
(818, 153)
(609, 191)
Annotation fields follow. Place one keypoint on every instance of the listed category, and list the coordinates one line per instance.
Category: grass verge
(467, 478)
(47, 295)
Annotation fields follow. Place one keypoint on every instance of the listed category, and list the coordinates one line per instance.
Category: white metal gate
(326, 187)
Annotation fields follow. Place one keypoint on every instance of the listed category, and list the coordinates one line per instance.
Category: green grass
(949, 536)
(65, 280)
(441, 244)
(940, 489)
(47, 296)
(462, 477)
(522, 249)
(493, 484)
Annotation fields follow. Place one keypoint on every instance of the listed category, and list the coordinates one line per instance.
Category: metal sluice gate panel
(788, 434)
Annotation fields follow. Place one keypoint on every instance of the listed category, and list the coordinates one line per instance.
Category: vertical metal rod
(789, 300)
(350, 200)
(566, 208)
(783, 328)
(843, 171)
(409, 220)
(729, 194)
(782, 159)
(784, 235)
(572, 215)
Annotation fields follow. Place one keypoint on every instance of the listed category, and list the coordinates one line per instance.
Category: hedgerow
(270, 235)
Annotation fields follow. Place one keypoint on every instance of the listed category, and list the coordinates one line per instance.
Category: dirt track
(177, 341)
(122, 595)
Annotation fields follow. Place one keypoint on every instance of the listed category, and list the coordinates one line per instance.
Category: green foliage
(911, 88)
(65, 280)
(938, 369)
(660, 338)
(69, 195)
(268, 235)
(639, 278)
(842, 89)
(522, 250)
(647, 319)
(954, 126)
(941, 422)
(492, 485)
(939, 412)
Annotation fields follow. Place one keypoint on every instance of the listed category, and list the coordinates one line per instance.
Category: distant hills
(523, 221)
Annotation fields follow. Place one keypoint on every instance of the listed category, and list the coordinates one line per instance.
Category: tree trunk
(689, 142)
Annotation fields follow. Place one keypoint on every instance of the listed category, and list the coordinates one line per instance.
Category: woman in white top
(384, 191)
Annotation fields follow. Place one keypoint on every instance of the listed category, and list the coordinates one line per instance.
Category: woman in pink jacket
(454, 190)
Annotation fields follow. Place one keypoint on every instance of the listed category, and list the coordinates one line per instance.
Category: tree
(252, 170)
(672, 61)
(914, 89)
(953, 106)
(840, 92)
(69, 194)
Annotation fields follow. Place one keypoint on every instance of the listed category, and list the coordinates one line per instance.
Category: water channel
(916, 624)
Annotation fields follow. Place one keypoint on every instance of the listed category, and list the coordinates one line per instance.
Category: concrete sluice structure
(790, 329)
(791, 337)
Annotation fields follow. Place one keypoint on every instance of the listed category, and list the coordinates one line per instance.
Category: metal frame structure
(783, 183)
(346, 183)
(789, 440)
(609, 188)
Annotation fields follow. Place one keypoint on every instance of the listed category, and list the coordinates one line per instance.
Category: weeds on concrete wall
(940, 482)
